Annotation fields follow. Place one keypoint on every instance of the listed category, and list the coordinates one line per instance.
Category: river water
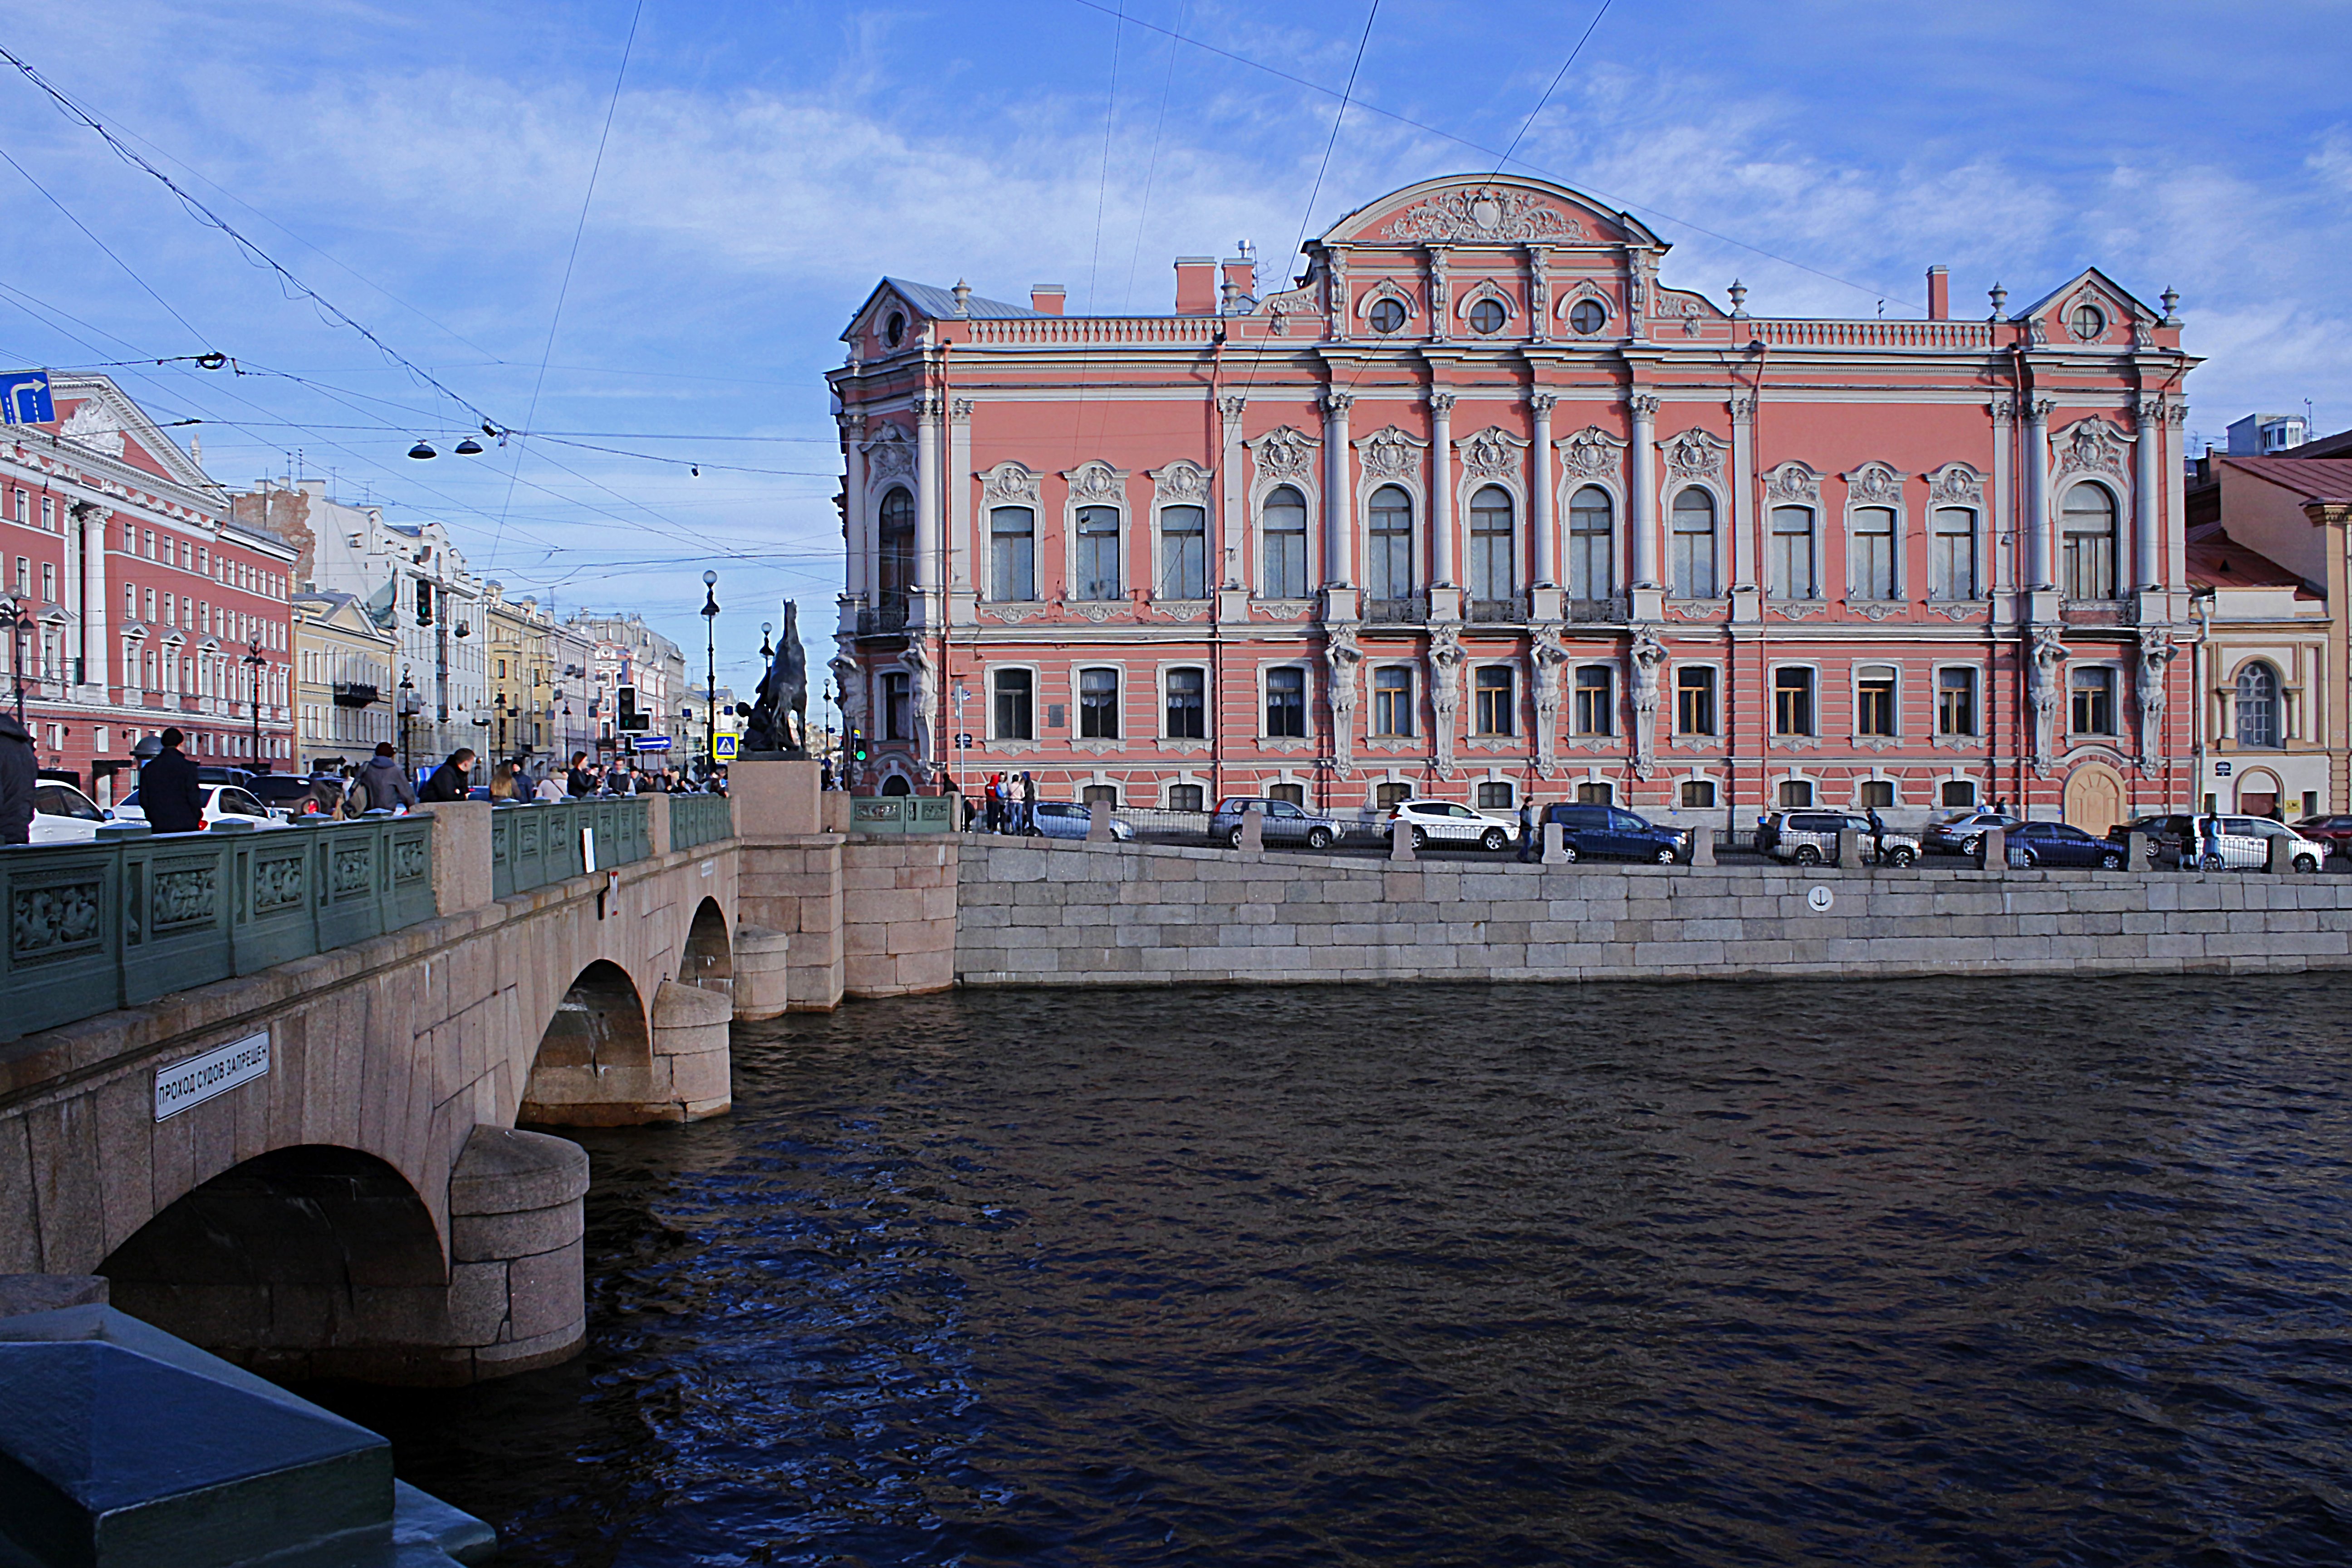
(1996, 1272)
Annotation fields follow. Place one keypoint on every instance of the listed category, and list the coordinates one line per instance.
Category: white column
(1743, 492)
(1642, 489)
(1540, 514)
(2038, 554)
(97, 607)
(857, 564)
(2148, 495)
(2172, 462)
(1339, 492)
(927, 493)
(959, 483)
(1233, 520)
(1441, 490)
(2004, 540)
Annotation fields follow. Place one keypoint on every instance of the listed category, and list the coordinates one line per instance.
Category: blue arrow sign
(28, 393)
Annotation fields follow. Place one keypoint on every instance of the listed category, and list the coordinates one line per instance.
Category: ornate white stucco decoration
(849, 680)
(2157, 652)
(1875, 484)
(1389, 452)
(1586, 290)
(1184, 483)
(2093, 446)
(1485, 288)
(1793, 481)
(1342, 661)
(889, 455)
(1009, 484)
(1491, 454)
(1590, 454)
(1696, 455)
(2045, 690)
(1285, 454)
(1646, 656)
(1445, 660)
(95, 426)
(1097, 484)
(1386, 289)
(924, 690)
(1955, 484)
(1483, 217)
(1550, 656)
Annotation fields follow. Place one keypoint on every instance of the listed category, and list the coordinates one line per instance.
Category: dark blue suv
(1606, 833)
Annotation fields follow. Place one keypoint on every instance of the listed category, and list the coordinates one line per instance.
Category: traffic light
(627, 717)
(424, 602)
(858, 743)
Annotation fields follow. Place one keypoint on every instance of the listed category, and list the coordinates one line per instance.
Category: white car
(2243, 844)
(1442, 822)
(220, 801)
(63, 815)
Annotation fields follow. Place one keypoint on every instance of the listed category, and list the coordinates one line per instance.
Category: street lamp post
(710, 669)
(258, 662)
(406, 705)
(18, 623)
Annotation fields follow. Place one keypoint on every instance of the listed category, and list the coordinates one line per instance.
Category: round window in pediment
(1387, 315)
(2088, 322)
(1488, 316)
(1588, 317)
(893, 331)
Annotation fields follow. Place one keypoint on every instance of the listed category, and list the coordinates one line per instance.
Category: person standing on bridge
(453, 779)
(169, 791)
(19, 768)
(382, 784)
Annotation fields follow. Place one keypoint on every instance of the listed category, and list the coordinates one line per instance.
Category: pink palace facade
(1480, 510)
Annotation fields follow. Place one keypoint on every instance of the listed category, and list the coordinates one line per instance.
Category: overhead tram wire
(1562, 75)
(88, 233)
(1460, 140)
(563, 290)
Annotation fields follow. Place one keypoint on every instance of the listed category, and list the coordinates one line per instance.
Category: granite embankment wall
(1085, 914)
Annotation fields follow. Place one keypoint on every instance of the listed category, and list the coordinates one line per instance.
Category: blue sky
(424, 166)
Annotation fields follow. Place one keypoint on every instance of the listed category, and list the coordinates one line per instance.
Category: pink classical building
(1480, 509)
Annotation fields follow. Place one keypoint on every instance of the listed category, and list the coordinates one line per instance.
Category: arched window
(896, 565)
(2088, 522)
(1790, 567)
(1283, 521)
(1692, 570)
(1097, 576)
(1591, 547)
(1491, 577)
(2258, 705)
(1388, 566)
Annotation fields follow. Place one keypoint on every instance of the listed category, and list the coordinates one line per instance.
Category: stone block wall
(791, 884)
(898, 906)
(1078, 914)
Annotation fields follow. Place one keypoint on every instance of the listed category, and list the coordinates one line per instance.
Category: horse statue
(778, 725)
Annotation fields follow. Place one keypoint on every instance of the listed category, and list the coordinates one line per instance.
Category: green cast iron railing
(113, 923)
(902, 813)
(698, 820)
(532, 845)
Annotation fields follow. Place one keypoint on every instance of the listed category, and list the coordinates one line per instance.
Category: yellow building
(342, 681)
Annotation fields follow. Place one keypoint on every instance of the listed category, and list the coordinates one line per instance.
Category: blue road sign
(651, 742)
(722, 748)
(29, 397)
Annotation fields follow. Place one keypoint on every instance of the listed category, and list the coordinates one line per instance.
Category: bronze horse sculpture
(778, 725)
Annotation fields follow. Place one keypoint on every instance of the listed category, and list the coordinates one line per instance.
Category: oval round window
(893, 331)
(1488, 316)
(1588, 315)
(2088, 322)
(1387, 315)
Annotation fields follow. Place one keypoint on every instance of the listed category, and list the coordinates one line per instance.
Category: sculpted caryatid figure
(779, 720)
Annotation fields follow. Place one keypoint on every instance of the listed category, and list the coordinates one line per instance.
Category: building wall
(339, 658)
(1668, 396)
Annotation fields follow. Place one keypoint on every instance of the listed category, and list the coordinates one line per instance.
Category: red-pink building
(1482, 508)
(138, 602)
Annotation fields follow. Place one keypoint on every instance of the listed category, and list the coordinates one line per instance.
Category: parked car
(1963, 832)
(2243, 843)
(1810, 837)
(2057, 844)
(2334, 832)
(1611, 833)
(220, 801)
(1281, 822)
(2173, 837)
(1070, 819)
(63, 815)
(1442, 822)
(289, 796)
(216, 773)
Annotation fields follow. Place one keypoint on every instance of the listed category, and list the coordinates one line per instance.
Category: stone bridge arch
(606, 1058)
(708, 960)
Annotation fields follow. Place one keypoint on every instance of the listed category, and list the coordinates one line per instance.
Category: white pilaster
(958, 482)
(1743, 493)
(1233, 538)
(927, 493)
(98, 606)
(1338, 493)
(1441, 489)
(1642, 490)
(2004, 531)
(856, 527)
(1544, 521)
(2038, 556)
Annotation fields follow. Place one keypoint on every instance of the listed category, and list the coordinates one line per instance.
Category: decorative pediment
(1874, 484)
(1491, 454)
(889, 455)
(1097, 484)
(1391, 453)
(1590, 454)
(95, 426)
(1285, 453)
(1793, 481)
(1181, 482)
(103, 420)
(1586, 289)
(2054, 318)
(1490, 210)
(2092, 447)
(1009, 484)
(1696, 455)
(1955, 484)
(1485, 288)
(1386, 289)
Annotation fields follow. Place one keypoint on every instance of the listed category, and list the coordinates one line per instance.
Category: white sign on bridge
(198, 1079)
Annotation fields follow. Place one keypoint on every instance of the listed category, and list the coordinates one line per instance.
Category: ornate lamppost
(405, 705)
(256, 661)
(710, 669)
(18, 623)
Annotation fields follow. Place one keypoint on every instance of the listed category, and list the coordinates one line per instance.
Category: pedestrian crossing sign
(722, 748)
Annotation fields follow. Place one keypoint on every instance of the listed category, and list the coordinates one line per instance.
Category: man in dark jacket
(382, 784)
(18, 768)
(452, 780)
(168, 791)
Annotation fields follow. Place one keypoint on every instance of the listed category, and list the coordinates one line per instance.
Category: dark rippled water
(1984, 1272)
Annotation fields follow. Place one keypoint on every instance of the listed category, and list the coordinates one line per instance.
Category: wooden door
(2095, 798)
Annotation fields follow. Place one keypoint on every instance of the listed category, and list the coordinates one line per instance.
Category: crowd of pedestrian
(1007, 804)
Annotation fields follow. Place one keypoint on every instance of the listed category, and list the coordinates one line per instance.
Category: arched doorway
(2259, 792)
(709, 961)
(306, 1261)
(2095, 797)
(594, 1066)
(896, 784)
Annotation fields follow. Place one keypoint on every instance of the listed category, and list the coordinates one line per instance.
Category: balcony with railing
(1874, 334)
(356, 694)
(1412, 610)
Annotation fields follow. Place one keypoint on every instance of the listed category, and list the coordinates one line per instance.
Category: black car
(295, 795)
(1608, 832)
(2173, 836)
(2056, 844)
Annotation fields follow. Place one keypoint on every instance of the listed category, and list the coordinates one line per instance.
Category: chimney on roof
(1241, 280)
(1196, 285)
(1939, 294)
(1048, 298)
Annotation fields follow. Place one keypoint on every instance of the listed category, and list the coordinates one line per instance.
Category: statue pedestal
(775, 796)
